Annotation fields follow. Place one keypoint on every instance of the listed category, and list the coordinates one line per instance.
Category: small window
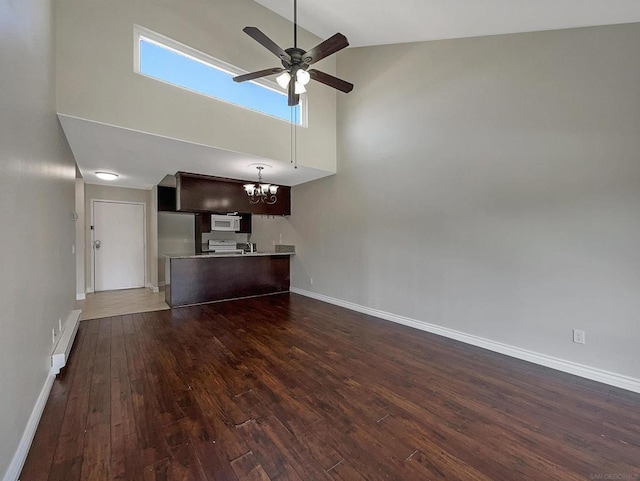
(166, 60)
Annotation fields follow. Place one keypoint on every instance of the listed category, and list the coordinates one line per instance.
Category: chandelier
(260, 192)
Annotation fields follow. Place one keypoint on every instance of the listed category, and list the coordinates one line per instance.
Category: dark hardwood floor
(288, 388)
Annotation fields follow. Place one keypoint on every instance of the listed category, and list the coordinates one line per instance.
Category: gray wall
(489, 185)
(37, 172)
(270, 230)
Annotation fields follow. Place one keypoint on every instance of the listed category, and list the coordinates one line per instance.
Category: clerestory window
(164, 59)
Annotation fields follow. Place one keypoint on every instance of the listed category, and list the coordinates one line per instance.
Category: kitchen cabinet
(245, 224)
(202, 224)
(203, 193)
(167, 199)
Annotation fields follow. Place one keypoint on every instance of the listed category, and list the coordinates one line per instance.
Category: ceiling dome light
(303, 77)
(283, 79)
(106, 175)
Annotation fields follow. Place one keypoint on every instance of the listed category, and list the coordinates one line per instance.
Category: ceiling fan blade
(266, 42)
(326, 48)
(331, 81)
(258, 74)
(293, 99)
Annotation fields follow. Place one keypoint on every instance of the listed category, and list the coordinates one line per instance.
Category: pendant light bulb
(283, 79)
(299, 89)
(303, 77)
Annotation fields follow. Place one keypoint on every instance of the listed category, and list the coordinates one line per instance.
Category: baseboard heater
(61, 352)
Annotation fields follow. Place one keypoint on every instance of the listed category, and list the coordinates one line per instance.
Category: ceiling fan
(295, 73)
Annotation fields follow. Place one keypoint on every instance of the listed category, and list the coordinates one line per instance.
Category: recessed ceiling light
(106, 175)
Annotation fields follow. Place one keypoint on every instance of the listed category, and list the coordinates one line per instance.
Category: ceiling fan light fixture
(283, 79)
(299, 89)
(303, 77)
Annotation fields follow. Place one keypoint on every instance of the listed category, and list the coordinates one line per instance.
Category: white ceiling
(376, 22)
(143, 160)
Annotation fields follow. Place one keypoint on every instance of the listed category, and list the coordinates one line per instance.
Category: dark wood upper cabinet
(167, 199)
(200, 226)
(245, 224)
(203, 193)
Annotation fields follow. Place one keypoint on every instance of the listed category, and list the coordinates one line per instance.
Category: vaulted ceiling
(376, 22)
(143, 159)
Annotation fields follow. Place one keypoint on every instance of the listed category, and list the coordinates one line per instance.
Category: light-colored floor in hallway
(117, 303)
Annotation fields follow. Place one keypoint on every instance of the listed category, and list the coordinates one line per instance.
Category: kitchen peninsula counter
(209, 277)
(222, 254)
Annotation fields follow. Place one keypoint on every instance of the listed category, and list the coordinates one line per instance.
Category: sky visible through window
(169, 66)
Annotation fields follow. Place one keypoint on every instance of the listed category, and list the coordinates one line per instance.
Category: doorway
(118, 245)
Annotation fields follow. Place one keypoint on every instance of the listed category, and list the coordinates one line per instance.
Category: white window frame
(189, 52)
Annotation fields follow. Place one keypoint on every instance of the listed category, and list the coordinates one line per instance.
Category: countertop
(222, 254)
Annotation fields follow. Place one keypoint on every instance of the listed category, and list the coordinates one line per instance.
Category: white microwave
(225, 222)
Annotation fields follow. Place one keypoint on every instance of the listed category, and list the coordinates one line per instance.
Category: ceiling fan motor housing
(297, 57)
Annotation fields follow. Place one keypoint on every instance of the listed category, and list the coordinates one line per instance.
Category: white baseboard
(80, 297)
(595, 374)
(20, 455)
(89, 290)
(153, 288)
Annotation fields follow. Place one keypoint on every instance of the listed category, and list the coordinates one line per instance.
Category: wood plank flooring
(291, 389)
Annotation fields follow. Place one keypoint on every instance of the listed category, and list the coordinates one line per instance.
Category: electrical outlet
(59, 325)
(578, 336)
(311, 280)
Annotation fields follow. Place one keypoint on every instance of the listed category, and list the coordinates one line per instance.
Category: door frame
(93, 238)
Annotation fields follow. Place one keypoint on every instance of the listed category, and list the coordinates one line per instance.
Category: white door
(118, 245)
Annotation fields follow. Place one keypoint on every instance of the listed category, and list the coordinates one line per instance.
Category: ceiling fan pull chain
(294, 138)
